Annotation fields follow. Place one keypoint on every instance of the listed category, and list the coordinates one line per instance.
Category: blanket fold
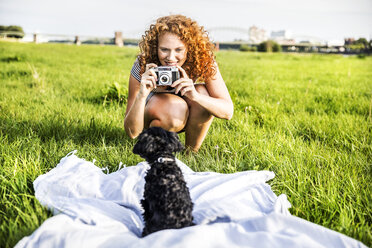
(94, 209)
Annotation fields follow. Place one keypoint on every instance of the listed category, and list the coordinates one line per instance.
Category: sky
(323, 19)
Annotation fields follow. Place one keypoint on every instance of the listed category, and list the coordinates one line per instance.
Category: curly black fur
(167, 202)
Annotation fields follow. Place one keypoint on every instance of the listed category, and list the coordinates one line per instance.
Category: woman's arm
(137, 94)
(134, 115)
(218, 103)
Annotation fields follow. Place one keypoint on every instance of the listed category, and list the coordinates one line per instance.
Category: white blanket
(94, 209)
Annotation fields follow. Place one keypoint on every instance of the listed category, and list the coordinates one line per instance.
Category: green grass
(305, 117)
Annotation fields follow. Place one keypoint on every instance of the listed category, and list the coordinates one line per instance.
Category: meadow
(306, 117)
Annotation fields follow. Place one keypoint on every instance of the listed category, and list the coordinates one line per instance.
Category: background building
(256, 35)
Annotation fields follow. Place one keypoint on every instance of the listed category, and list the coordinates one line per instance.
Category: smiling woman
(171, 50)
(180, 42)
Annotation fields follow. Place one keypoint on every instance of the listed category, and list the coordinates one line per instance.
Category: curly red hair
(200, 61)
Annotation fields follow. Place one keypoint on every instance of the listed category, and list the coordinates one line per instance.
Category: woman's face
(171, 50)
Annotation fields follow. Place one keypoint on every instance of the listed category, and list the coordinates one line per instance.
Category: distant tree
(360, 45)
(246, 48)
(269, 46)
(12, 31)
(361, 41)
(276, 47)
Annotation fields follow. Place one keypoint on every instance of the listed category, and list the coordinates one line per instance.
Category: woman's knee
(168, 124)
(167, 111)
(173, 123)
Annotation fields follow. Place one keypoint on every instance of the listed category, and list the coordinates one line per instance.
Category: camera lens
(164, 79)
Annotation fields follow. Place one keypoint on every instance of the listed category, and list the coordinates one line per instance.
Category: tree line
(12, 31)
(361, 45)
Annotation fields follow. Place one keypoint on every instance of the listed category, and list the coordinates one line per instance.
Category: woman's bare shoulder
(216, 86)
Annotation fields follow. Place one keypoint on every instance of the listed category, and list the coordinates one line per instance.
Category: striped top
(136, 74)
(136, 71)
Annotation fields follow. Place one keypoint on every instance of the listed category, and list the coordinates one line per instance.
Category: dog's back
(167, 202)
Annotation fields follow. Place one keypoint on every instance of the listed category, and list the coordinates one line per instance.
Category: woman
(177, 41)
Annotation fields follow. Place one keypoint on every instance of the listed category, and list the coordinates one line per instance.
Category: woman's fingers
(149, 78)
(183, 72)
(153, 74)
(186, 89)
(182, 83)
(183, 78)
(149, 66)
(150, 81)
(149, 71)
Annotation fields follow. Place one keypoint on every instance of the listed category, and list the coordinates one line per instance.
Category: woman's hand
(148, 80)
(185, 85)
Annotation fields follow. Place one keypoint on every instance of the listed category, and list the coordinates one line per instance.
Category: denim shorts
(154, 92)
(149, 96)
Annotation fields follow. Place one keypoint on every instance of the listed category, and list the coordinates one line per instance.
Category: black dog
(167, 201)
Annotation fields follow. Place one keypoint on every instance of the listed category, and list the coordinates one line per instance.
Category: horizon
(331, 21)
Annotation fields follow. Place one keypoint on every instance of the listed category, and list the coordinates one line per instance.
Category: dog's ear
(145, 145)
(154, 140)
(175, 144)
(138, 149)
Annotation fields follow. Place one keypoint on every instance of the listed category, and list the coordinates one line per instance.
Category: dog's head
(155, 141)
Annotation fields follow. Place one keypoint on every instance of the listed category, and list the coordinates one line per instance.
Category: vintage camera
(166, 75)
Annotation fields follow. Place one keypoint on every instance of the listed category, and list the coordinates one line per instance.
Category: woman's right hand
(148, 80)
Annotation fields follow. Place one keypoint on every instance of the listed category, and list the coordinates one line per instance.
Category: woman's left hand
(185, 85)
